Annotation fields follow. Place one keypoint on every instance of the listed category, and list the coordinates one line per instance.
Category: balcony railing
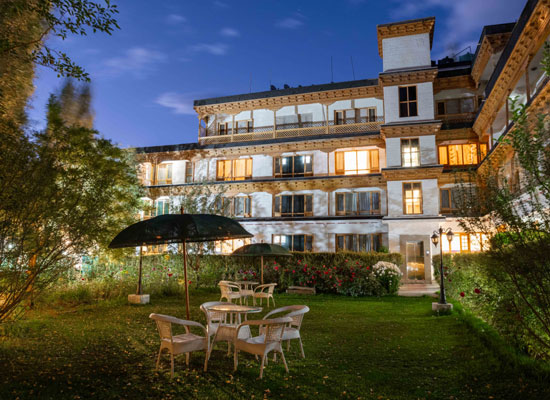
(209, 136)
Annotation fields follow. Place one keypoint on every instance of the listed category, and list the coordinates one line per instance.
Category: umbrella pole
(186, 281)
(139, 278)
(262, 258)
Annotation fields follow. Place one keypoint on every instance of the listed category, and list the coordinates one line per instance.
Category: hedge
(343, 273)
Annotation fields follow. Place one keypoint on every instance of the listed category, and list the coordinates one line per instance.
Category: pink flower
(154, 269)
(293, 271)
(276, 268)
(368, 267)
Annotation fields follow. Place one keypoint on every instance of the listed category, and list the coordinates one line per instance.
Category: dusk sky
(168, 53)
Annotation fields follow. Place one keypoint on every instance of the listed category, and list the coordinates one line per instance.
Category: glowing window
(234, 170)
(412, 198)
(357, 162)
(410, 153)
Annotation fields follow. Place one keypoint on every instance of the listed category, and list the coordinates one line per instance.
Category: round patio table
(226, 330)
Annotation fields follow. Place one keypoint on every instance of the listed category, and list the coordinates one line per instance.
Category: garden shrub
(343, 273)
(482, 287)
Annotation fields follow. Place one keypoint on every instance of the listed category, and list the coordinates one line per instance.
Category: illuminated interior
(410, 153)
(234, 170)
(465, 243)
(229, 246)
(462, 154)
(357, 162)
(164, 174)
(412, 195)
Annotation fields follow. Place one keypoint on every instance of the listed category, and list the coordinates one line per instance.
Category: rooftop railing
(365, 124)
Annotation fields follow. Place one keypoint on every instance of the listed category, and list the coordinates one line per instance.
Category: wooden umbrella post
(139, 291)
(262, 258)
(186, 282)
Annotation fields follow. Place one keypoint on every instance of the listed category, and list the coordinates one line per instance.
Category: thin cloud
(221, 4)
(216, 49)
(175, 19)
(289, 23)
(230, 32)
(137, 61)
(177, 102)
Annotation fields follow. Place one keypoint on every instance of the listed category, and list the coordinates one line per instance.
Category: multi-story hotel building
(367, 163)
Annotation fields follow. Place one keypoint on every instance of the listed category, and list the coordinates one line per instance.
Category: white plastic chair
(213, 318)
(179, 344)
(270, 339)
(292, 331)
(230, 291)
(264, 292)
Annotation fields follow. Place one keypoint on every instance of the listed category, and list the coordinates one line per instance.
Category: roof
(516, 33)
(197, 146)
(286, 92)
(493, 30)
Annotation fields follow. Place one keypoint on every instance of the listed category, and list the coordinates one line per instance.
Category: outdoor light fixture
(435, 240)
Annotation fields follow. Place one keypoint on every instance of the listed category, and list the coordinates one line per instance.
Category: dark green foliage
(349, 274)
(63, 192)
(486, 289)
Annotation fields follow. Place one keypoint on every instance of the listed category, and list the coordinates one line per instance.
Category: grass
(369, 348)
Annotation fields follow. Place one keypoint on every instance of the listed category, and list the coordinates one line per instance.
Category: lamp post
(442, 304)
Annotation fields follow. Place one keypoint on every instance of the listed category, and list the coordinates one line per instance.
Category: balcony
(211, 136)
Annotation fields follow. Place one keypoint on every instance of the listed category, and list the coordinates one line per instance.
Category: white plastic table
(226, 331)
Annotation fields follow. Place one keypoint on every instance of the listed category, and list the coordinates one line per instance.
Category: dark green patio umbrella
(261, 250)
(178, 228)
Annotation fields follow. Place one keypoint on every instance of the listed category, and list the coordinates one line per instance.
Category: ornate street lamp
(435, 240)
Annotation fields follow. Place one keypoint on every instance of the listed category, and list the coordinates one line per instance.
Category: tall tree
(25, 25)
(64, 192)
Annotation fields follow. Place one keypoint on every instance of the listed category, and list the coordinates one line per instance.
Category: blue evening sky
(168, 53)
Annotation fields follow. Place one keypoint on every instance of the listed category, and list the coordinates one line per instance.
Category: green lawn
(379, 348)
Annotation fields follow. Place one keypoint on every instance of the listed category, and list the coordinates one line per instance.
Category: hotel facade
(363, 164)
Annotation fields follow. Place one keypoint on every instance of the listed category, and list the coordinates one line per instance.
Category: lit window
(164, 174)
(360, 243)
(357, 162)
(294, 242)
(230, 245)
(465, 243)
(410, 153)
(412, 198)
(359, 203)
(296, 205)
(234, 170)
(293, 166)
(407, 101)
(462, 154)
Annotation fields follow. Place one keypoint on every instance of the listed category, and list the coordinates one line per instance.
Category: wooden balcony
(289, 131)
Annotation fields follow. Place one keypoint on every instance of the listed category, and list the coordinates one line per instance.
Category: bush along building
(366, 164)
